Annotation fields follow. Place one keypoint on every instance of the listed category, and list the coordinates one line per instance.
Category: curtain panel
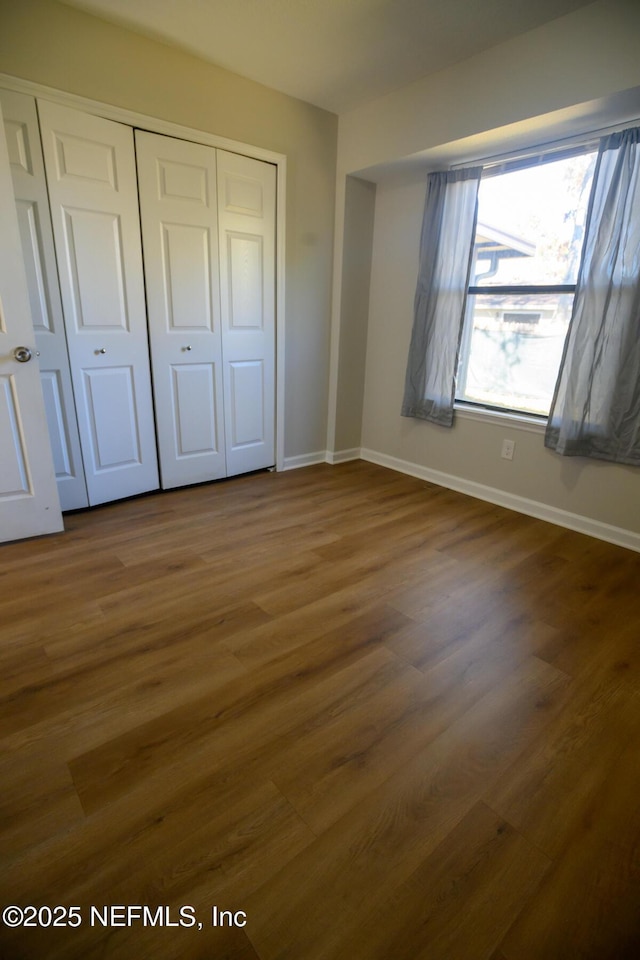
(446, 254)
(595, 410)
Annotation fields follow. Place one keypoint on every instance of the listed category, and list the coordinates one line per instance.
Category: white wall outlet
(508, 446)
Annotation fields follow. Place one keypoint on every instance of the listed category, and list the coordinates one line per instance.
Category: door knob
(22, 354)
(101, 350)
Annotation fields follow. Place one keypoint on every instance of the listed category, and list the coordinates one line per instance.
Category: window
(528, 243)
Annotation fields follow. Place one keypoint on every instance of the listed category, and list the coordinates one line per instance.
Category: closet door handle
(188, 347)
(101, 350)
(22, 354)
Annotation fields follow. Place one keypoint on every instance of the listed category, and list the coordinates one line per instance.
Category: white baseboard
(305, 460)
(342, 456)
(321, 456)
(532, 508)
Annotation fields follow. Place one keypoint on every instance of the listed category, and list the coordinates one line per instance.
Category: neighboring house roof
(491, 240)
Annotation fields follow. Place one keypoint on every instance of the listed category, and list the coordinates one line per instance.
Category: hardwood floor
(378, 718)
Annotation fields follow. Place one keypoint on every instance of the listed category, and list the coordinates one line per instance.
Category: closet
(151, 268)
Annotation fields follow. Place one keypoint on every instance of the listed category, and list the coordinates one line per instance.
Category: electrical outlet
(508, 446)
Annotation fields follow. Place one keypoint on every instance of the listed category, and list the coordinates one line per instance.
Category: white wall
(469, 452)
(360, 199)
(573, 74)
(64, 48)
(586, 56)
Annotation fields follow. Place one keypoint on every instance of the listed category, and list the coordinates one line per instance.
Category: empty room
(319, 479)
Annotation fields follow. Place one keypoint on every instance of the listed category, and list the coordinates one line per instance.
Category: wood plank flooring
(382, 720)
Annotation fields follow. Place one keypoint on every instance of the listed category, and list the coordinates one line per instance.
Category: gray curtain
(446, 253)
(596, 407)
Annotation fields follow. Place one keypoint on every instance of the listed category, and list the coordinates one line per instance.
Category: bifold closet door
(212, 341)
(90, 168)
(34, 220)
(246, 220)
(178, 207)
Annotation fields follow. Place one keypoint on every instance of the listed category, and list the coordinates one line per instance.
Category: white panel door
(34, 219)
(246, 215)
(29, 503)
(178, 208)
(90, 166)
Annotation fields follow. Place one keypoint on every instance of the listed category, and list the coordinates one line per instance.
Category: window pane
(512, 349)
(531, 223)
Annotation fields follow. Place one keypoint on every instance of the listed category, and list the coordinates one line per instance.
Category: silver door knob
(188, 347)
(22, 354)
(102, 350)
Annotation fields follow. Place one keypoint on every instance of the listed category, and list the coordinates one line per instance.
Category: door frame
(155, 125)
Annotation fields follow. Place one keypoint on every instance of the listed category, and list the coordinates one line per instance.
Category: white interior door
(90, 168)
(246, 215)
(29, 503)
(178, 208)
(34, 220)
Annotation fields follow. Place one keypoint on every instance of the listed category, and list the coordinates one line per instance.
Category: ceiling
(336, 54)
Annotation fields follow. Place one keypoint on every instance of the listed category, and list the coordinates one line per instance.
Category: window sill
(521, 421)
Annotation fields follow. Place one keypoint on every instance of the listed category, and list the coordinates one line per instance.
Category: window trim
(546, 152)
(533, 289)
(529, 422)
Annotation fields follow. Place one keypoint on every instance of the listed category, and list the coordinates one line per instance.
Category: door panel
(90, 165)
(81, 159)
(181, 180)
(29, 503)
(32, 246)
(247, 414)
(245, 260)
(15, 473)
(194, 388)
(34, 219)
(109, 397)
(57, 422)
(96, 271)
(178, 206)
(186, 263)
(247, 191)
